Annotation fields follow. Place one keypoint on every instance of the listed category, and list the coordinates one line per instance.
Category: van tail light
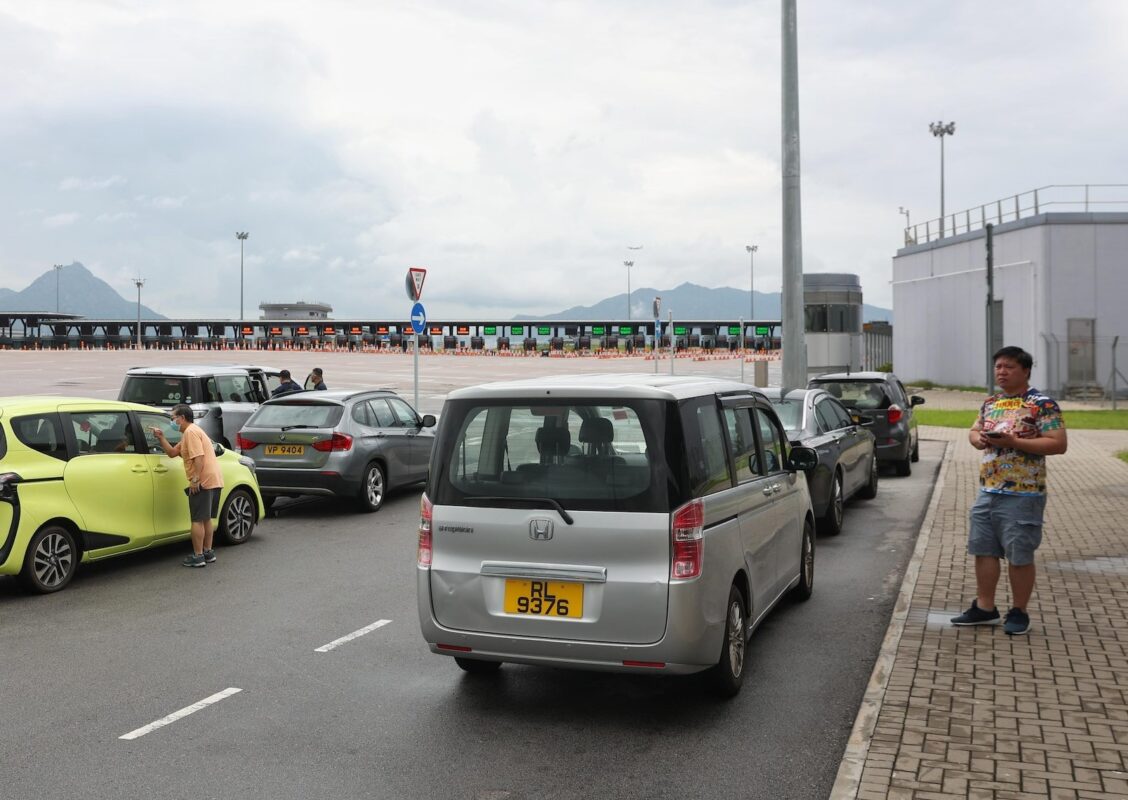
(243, 443)
(338, 441)
(687, 527)
(423, 554)
(895, 414)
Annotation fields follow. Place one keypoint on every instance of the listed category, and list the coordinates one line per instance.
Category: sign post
(742, 349)
(414, 286)
(657, 331)
(673, 343)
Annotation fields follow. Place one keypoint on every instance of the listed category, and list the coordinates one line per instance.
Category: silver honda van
(631, 523)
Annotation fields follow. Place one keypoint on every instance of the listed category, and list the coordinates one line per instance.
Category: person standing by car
(287, 385)
(205, 480)
(316, 379)
(1016, 429)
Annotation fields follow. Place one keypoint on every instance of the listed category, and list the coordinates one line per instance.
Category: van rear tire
(727, 675)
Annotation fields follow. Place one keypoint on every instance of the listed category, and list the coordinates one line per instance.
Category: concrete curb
(849, 779)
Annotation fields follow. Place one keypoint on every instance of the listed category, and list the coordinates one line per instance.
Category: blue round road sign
(418, 318)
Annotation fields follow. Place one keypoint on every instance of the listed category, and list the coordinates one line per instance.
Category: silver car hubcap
(53, 560)
(736, 639)
(240, 517)
(375, 487)
(808, 558)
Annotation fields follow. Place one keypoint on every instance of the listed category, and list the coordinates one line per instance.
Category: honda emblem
(540, 529)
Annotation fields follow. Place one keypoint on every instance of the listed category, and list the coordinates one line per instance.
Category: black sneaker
(977, 616)
(1018, 623)
(209, 556)
(194, 561)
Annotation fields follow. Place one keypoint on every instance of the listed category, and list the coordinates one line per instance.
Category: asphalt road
(135, 639)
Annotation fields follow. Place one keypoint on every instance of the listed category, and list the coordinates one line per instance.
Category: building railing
(1079, 197)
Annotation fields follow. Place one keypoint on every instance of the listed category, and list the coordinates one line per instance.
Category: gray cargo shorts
(203, 505)
(1006, 526)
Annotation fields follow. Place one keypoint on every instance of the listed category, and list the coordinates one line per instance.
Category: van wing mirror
(428, 421)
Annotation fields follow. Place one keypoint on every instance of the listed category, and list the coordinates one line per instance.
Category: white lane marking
(184, 712)
(325, 648)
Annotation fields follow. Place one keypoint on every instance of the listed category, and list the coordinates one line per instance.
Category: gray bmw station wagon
(615, 522)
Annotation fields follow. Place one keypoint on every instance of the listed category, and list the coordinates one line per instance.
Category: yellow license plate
(544, 598)
(285, 449)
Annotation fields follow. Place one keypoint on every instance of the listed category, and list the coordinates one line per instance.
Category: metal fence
(1085, 368)
(1079, 197)
(877, 345)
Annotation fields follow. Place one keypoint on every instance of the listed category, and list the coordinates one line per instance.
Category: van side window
(705, 447)
(742, 443)
(103, 432)
(771, 440)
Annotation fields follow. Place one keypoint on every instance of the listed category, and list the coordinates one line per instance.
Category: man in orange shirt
(205, 481)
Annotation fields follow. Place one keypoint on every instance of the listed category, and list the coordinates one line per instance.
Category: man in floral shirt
(1016, 429)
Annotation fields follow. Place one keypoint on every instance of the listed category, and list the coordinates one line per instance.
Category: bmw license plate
(544, 598)
(285, 449)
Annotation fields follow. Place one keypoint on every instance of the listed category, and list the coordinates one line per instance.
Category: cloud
(60, 220)
(516, 150)
(90, 184)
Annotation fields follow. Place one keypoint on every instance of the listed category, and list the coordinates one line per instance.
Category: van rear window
(587, 455)
(153, 390)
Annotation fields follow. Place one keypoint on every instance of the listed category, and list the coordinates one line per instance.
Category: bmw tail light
(895, 414)
(423, 554)
(687, 527)
(243, 443)
(339, 441)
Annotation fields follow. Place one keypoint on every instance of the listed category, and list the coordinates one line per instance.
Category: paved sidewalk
(974, 713)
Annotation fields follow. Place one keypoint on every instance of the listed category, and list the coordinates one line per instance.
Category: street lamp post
(242, 237)
(58, 269)
(751, 248)
(140, 282)
(940, 130)
(628, 265)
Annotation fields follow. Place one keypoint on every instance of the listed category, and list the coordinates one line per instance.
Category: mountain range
(691, 302)
(81, 292)
(73, 289)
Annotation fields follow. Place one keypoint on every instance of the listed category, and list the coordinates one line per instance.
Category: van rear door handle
(160, 470)
(769, 491)
(138, 469)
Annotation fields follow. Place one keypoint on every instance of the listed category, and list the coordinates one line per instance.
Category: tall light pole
(794, 328)
(242, 237)
(751, 248)
(58, 269)
(940, 130)
(140, 282)
(628, 265)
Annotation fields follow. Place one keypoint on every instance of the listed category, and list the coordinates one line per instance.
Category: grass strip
(1104, 420)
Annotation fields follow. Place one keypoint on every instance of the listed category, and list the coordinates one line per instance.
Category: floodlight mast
(940, 130)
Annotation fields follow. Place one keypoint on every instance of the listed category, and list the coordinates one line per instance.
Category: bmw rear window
(306, 414)
(790, 413)
(857, 394)
(585, 454)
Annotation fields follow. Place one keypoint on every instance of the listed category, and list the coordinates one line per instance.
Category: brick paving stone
(974, 713)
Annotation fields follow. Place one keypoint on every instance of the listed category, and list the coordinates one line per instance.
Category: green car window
(43, 433)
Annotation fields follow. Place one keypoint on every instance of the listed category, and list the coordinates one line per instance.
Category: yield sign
(415, 278)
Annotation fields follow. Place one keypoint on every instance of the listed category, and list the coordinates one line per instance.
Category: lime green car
(82, 480)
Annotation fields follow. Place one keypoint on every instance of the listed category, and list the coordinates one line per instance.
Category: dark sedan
(847, 458)
(880, 399)
(354, 444)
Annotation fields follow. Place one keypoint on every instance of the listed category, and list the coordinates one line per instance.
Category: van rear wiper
(535, 502)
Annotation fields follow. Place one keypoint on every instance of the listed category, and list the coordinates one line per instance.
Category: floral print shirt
(1007, 471)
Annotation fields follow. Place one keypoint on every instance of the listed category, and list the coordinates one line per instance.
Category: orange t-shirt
(200, 462)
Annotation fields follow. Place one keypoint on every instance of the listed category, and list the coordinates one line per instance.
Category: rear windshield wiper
(535, 502)
(292, 427)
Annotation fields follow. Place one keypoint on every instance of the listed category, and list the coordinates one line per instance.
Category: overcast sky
(516, 148)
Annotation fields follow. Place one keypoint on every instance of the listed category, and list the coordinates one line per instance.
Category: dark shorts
(204, 505)
(1006, 526)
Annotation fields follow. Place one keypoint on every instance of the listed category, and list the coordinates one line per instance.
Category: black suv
(884, 406)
